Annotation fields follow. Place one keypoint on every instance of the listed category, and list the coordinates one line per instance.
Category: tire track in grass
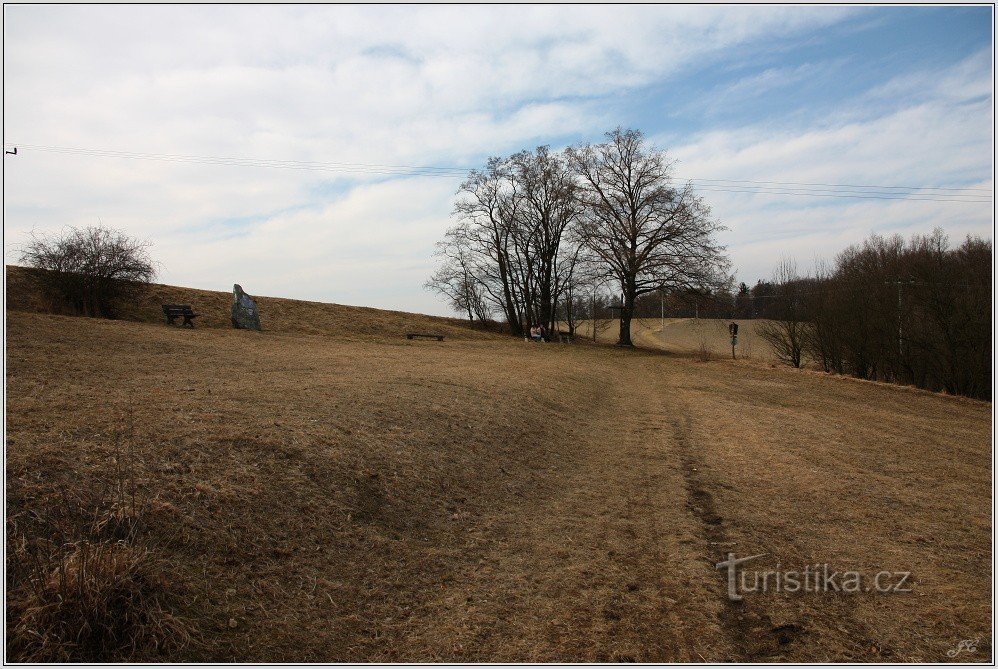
(597, 562)
(751, 632)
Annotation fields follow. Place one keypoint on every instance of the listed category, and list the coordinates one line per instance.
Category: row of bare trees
(541, 231)
(916, 312)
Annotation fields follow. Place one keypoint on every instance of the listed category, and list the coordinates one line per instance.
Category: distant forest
(916, 312)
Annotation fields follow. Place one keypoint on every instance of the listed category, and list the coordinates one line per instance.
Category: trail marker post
(733, 331)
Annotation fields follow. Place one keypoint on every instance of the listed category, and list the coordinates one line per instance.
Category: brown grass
(317, 498)
(96, 602)
(83, 582)
(686, 336)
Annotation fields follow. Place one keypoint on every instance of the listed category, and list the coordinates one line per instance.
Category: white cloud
(943, 139)
(385, 85)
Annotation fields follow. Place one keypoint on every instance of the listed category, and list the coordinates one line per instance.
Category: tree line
(915, 312)
(542, 236)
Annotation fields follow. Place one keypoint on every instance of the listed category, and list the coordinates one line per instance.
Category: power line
(870, 196)
(846, 190)
(804, 189)
(799, 183)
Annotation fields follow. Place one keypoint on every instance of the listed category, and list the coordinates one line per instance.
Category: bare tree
(93, 269)
(591, 280)
(823, 339)
(650, 233)
(455, 279)
(510, 249)
(549, 208)
(788, 331)
(488, 230)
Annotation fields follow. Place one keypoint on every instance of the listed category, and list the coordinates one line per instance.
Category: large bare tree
(650, 232)
(511, 248)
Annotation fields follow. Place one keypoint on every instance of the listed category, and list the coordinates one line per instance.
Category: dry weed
(704, 352)
(92, 602)
(84, 586)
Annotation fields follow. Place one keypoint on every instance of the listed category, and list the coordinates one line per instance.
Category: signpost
(733, 331)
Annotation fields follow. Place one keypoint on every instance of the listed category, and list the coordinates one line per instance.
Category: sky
(883, 96)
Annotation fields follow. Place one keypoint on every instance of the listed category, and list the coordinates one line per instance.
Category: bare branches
(915, 312)
(457, 279)
(537, 223)
(648, 232)
(788, 331)
(511, 249)
(91, 268)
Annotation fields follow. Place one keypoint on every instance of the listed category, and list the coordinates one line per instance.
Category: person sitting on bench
(535, 333)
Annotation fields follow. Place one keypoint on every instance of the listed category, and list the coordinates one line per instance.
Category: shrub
(91, 602)
(91, 269)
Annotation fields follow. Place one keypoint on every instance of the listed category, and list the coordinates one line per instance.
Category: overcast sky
(883, 96)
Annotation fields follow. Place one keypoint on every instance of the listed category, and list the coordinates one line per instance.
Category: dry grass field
(688, 336)
(326, 490)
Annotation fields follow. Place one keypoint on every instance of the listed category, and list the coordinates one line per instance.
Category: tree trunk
(625, 315)
(512, 315)
(546, 314)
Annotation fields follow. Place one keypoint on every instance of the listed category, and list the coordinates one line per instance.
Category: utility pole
(900, 332)
(899, 283)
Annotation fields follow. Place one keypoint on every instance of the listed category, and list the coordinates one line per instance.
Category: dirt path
(608, 568)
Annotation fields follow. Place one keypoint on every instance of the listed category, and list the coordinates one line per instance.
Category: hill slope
(313, 498)
(277, 314)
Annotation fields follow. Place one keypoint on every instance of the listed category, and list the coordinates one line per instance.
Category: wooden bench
(565, 337)
(413, 335)
(175, 311)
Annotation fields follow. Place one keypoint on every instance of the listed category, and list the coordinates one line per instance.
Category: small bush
(92, 270)
(704, 352)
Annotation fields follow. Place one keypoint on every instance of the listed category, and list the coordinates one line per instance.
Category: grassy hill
(326, 490)
(277, 314)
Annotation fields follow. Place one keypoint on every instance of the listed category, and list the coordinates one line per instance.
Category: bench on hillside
(565, 337)
(413, 335)
(175, 311)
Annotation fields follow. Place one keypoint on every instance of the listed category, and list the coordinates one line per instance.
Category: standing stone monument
(244, 313)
